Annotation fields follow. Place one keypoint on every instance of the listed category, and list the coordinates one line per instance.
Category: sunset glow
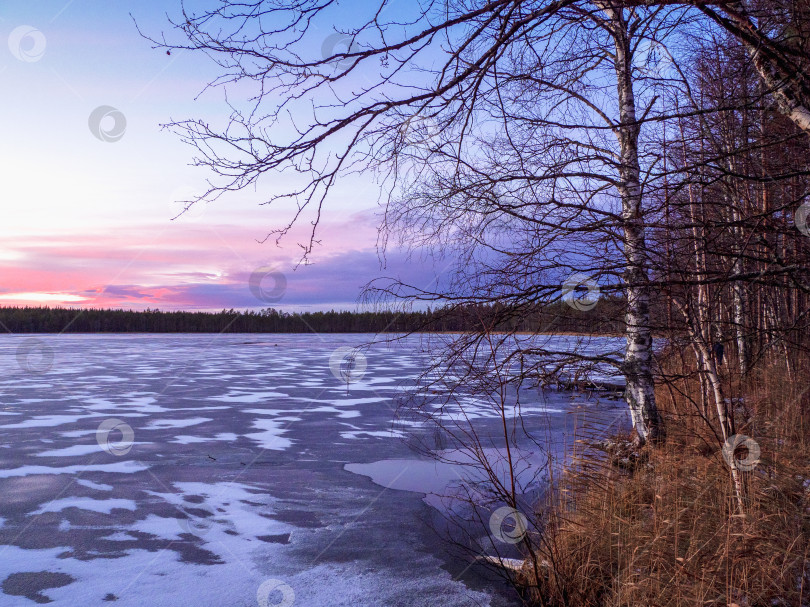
(94, 222)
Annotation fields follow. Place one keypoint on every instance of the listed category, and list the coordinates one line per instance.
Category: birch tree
(736, 269)
(564, 172)
(408, 93)
(640, 391)
(776, 35)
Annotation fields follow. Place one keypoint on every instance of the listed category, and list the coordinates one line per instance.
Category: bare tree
(558, 191)
(552, 86)
(734, 267)
(776, 34)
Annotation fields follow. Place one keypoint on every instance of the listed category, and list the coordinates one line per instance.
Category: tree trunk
(637, 368)
(786, 81)
(740, 317)
(707, 367)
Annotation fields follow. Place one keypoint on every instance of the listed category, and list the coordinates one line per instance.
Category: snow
(247, 397)
(270, 436)
(162, 424)
(93, 485)
(141, 577)
(166, 528)
(188, 440)
(78, 433)
(342, 414)
(141, 404)
(77, 450)
(354, 434)
(86, 503)
(118, 536)
(44, 421)
(125, 467)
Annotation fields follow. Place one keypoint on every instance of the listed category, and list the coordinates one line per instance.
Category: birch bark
(637, 365)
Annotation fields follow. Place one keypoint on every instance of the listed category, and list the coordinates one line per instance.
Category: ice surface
(236, 475)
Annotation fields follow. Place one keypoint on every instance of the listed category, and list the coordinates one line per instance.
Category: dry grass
(668, 531)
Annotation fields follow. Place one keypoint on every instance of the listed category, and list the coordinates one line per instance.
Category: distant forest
(552, 318)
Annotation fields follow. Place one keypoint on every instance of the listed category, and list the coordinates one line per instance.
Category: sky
(87, 213)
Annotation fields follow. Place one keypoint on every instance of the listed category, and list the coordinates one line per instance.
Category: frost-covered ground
(209, 470)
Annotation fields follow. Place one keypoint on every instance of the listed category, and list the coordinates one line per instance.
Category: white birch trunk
(740, 315)
(639, 392)
(790, 89)
(789, 95)
(709, 368)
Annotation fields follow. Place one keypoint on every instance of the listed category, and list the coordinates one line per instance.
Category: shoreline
(550, 333)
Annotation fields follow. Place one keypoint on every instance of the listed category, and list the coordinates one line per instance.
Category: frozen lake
(223, 470)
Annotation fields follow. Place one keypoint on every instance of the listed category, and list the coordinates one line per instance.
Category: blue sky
(87, 222)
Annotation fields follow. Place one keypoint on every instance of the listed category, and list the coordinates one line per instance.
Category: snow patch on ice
(46, 421)
(144, 577)
(125, 467)
(247, 397)
(270, 436)
(354, 434)
(119, 536)
(188, 440)
(77, 450)
(92, 485)
(162, 424)
(342, 414)
(141, 404)
(87, 503)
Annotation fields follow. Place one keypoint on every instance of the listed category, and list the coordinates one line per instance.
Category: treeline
(558, 317)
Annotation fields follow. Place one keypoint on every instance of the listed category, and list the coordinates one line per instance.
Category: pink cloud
(198, 266)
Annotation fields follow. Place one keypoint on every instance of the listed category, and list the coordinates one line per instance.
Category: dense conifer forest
(551, 318)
